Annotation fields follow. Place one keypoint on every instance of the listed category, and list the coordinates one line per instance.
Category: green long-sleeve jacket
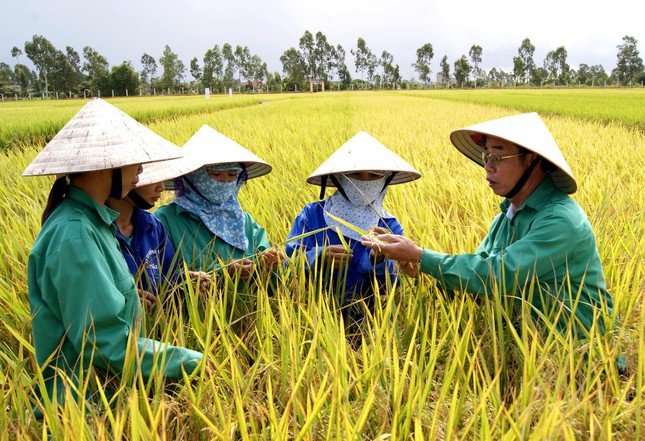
(549, 240)
(198, 246)
(83, 300)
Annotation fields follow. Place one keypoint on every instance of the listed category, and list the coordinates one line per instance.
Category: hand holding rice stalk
(396, 247)
(270, 258)
(372, 233)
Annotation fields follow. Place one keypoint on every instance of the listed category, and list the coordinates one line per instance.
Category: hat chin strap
(116, 190)
(520, 182)
(139, 201)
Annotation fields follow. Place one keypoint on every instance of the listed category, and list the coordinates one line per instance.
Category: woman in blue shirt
(360, 170)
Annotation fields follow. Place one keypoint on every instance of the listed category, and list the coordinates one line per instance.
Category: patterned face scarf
(363, 209)
(216, 204)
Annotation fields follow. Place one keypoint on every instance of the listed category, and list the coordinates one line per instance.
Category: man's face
(503, 176)
(150, 193)
(130, 177)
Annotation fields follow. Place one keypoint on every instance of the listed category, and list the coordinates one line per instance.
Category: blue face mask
(216, 204)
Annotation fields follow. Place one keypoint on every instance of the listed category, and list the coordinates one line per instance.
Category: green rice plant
(425, 364)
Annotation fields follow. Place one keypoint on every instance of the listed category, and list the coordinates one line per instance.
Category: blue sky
(125, 29)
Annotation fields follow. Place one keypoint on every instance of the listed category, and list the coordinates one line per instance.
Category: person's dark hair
(59, 191)
(179, 187)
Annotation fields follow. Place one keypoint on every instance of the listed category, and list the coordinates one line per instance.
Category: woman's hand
(410, 268)
(337, 255)
(243, 267)
(147, 298)
(271, 259)
(204, 280)
(376, 256)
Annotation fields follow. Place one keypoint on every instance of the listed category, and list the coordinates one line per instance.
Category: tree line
(314, 64)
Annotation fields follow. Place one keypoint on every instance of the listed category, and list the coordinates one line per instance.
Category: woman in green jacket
(83, 299)
(205, 222)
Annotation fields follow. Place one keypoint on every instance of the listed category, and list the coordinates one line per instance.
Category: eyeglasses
(496, 159)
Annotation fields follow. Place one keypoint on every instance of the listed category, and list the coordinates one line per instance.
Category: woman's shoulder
(166, 210)
(316, 207)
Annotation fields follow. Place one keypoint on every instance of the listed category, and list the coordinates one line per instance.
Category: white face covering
(363, 193)
(363, 209)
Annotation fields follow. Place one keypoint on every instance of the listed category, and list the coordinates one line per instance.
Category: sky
(123, 30)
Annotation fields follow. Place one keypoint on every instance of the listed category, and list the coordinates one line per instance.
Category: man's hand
(394, 247)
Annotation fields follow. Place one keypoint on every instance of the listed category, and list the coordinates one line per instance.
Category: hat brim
(527, 131)
(363, 153)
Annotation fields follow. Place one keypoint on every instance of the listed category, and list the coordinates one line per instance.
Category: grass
(624, 106)
(430, 366)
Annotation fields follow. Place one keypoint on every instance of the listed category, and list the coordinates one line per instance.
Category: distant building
(254, 85)
(318, 82)
(442, 80)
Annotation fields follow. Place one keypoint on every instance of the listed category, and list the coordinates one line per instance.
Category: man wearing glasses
(540, 249)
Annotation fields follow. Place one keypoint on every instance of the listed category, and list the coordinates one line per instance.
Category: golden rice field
(430, 366)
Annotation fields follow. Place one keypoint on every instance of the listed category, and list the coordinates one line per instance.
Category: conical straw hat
(100, 137)
(161, 171)
(364, 153)
(526, 130)
(209, 147)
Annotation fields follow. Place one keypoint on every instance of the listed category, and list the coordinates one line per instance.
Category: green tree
(318, 55)
(364, 59)
(422, 66)
(43, 54)
(308, 55)
(258, 68)
(295, 69)
(97, 69)
(539, 75)
(213, 67)
(149, 65)
(231, 68)
(496, 77)
(274, 82)
(342, 71)
(243, 63)
(16, 53)
(462, 70)
(173, 70)
(23, 76)
(629, 64)
(386, 62)
(195, 69)
(598, 75)
(66, 75)
(556, 65)
(445, 70)
(518, 69)
(523, 64)
(475, 54)
(6, 76)
(124, 79)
